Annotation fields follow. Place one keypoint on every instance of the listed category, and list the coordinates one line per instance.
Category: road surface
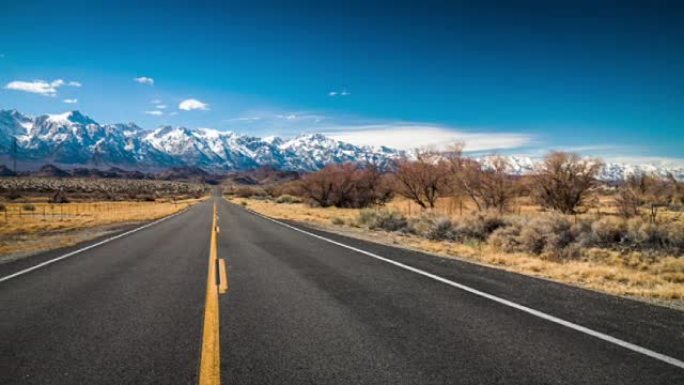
(305, 310)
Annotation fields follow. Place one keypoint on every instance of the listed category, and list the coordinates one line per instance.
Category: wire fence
(30, 212)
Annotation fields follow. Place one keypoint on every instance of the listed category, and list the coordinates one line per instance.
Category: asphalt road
(302, 310)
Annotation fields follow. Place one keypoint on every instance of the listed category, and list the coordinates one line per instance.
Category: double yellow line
(210, 364)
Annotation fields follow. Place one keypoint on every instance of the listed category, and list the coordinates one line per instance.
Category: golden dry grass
(602, 270)
(456, 207)
(49, 226)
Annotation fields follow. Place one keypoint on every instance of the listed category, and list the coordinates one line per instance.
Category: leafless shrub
(288, 199)
(646, 234)
(442, 229)
(633, 193)
(318, 187)
(479, 226)
(676, 196)
(476, 227)
(550, 236)
(506, 238)
(422, 180)
(382, 220)
(608, 231)
(675, 235)
(347, 185)
(563, 181)
(433, 227)
(249, 192)
(490, 187)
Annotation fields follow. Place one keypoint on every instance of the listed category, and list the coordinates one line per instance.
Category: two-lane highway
(303, 309)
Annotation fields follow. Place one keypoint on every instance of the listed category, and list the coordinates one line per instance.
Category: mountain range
(73, 140)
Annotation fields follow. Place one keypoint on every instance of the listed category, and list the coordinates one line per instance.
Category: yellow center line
(210, 364)
(223, 277)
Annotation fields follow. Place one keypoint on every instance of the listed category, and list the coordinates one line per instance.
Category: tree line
(562, 181)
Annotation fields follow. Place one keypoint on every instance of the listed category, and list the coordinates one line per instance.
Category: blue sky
(600, 77)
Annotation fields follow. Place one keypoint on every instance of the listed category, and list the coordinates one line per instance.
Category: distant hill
(5, 171)
(50, 170)
(176, 173)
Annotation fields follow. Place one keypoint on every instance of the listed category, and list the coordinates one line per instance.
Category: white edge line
(94, 245)
(627, 345)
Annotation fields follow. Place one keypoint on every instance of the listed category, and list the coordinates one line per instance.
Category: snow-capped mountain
(612, 171)
(73, 139)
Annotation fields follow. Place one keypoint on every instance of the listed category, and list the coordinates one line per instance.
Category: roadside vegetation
(38, 214)
(560, 222)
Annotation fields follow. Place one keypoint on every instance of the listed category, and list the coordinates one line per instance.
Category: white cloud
(158, 104)
(70, 101)
(144, 80)
(40, 87)
(154, 112)
(339, 93)
(410, 136)
(192, 104)
(247, 119)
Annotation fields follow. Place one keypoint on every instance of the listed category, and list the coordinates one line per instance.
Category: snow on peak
(273, 140)
(213, 133)
(73, 138)
(70, 117)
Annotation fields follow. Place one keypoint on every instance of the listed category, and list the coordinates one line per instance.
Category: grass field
(660, 280)
(29, 227)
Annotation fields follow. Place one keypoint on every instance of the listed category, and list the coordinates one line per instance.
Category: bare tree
(633, 193)
(499, 187)
(490, 186)
(563, 181)
(346, 185)
(677, 190)
(371, 187)
(318, 187)
(422, 180)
